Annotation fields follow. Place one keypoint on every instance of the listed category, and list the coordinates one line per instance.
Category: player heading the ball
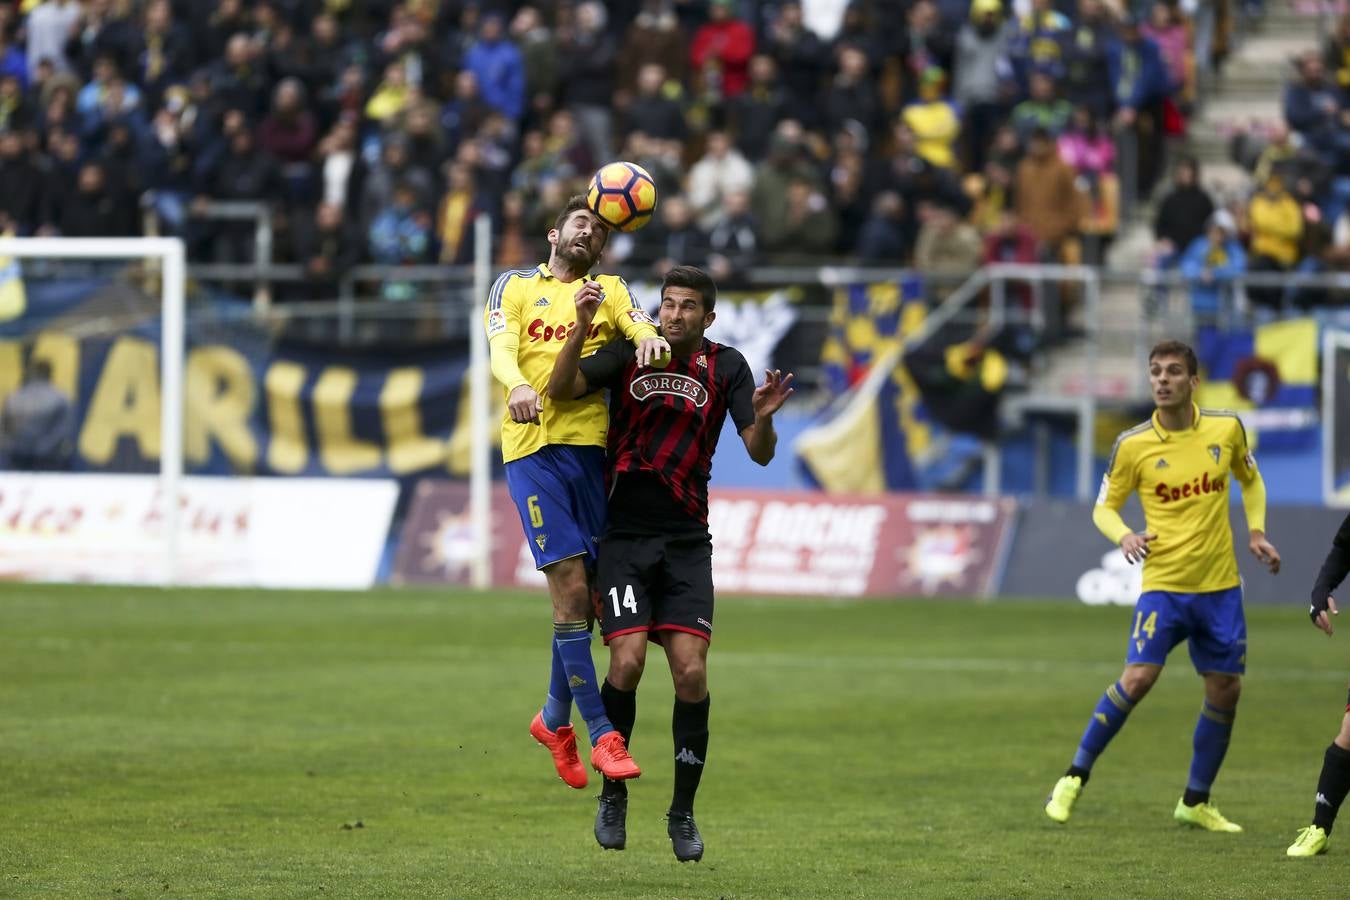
(555, 458)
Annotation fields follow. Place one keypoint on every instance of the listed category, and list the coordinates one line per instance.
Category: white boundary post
(1332, 340)
(173, 273)
(480, 458)
(173, 347)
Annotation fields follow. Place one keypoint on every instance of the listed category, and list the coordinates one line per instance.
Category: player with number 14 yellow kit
(1182, 462)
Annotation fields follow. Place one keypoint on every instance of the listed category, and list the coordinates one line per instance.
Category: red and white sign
(264, 532)
(763, 543)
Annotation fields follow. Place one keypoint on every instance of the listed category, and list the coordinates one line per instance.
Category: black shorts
(655, 583)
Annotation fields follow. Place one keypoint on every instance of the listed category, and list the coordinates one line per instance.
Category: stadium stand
(375, 131)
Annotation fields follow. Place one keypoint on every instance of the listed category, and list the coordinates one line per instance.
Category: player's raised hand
(588, 299)
(1265, 551)
(1319, 614)
(1135, 546)
(770, 396)
(650, 349)
(525, 405)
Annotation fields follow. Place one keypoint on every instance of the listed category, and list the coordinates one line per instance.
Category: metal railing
(260, 272)
(439, 291)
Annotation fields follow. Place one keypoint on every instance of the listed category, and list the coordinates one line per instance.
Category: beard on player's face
(580, 242)
(577, 259)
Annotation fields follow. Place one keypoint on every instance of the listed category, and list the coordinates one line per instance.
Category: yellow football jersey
(1184, 479)
(539, 311)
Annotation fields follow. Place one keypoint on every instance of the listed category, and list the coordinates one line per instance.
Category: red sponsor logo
(652, 383)
(538, 331)
(1202, 485)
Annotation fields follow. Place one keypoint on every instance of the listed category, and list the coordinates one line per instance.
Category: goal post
(480, 401)
(1336, 418)
(170, 255)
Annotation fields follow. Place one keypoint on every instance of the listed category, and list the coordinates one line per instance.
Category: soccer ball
(623, 195)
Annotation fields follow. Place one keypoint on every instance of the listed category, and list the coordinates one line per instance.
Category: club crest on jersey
(702, 360)
(1214, 451)
(652, 383)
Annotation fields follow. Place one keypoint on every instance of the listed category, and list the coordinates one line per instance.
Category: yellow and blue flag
(866, 441)
(1269, 375)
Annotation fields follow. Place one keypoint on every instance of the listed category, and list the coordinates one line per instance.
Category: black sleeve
(603, 367)
(1334, 569)
(740, 392)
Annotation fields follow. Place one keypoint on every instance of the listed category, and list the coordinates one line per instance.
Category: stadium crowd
(937, 133)
(1295, 218)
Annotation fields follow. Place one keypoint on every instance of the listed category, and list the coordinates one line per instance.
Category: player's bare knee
(625, 667)
(691, 679)
(570, 590)
(1222, 691)
(1139, 680)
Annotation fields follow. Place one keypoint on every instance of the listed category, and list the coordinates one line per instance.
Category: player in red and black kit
(1334, 781)
(655, 558)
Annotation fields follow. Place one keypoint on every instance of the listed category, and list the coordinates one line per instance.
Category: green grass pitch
(227, 743)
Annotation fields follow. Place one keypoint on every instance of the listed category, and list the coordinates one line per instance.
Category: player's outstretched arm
(566, 381)
(760, 438)
(1333, 572)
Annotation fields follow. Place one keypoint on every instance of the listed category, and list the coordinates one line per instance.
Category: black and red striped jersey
(665, 422)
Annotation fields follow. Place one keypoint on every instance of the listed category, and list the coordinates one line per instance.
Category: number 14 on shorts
(1148, 626)
(629, 602)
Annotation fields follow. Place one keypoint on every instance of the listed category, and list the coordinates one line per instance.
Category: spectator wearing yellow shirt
(1276, 225)
(934, 120)
(391, 95)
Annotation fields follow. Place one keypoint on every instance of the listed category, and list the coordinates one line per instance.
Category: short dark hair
(695, 279)
(1176, 348)
(574, 203)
